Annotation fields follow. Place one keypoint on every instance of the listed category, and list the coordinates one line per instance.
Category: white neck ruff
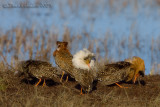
(78, 59)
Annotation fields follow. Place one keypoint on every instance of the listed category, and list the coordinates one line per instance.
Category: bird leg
(81, 92)
(134, 81)
(62, 76)
(44, 83)
(67, 79)
(38, 82)
(120, 86)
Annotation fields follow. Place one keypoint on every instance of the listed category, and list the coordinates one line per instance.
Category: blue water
(97, 18)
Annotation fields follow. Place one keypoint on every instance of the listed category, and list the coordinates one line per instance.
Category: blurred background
(112, 29)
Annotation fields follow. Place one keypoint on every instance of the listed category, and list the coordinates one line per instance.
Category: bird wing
(64, 60)
(38, 69)
(114, 72)
(85, 78)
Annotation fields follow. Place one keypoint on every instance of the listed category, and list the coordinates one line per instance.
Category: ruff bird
(139, 67)
(127, 70)
(84, 72)
(77, 66)
(63, 58)
(38, 69)
(116, 72)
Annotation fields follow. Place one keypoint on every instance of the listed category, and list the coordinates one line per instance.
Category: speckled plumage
(67, 62)
(63, 57)
(116, 72)
(83, 75)
(127, 70)
(37, 68)
(85, 78)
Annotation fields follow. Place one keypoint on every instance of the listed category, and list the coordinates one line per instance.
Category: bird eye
(93, 58)
(85, 58)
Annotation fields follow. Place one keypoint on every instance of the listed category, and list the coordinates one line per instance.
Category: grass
(21, 44)
(18, 93)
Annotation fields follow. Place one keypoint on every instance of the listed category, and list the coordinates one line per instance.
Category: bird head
(84, 59)
(89, 60)
(139, 66)
(61, 45)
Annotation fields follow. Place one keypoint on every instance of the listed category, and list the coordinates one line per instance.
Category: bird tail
(18, 73)
(19, 69)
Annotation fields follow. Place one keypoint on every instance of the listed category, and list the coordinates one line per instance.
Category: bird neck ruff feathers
(78, 59)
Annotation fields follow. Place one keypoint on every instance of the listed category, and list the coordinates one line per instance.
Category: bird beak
(89, 65)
